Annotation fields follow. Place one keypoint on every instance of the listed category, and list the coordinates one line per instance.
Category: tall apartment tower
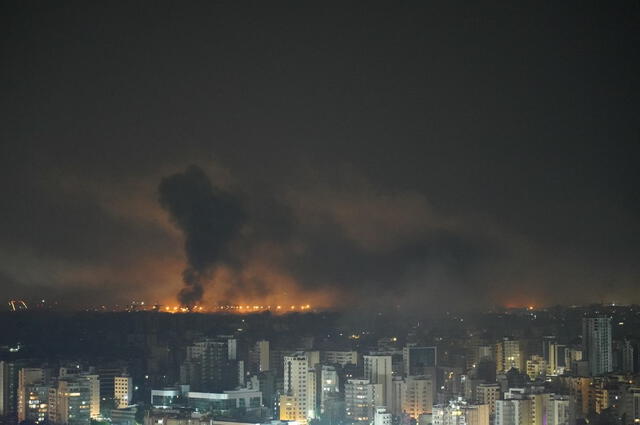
(8, 390)
(77, 400)
(328, 385)
(378, 370)
(513, 412)
(299, 398)
(361, 398)
(458, 412)
(596, 344)
(122, 391)
(382, 417)
(28, 378)
(560, 410)
(340, 357)
(488, 394)
(418, 396)
(417, 360)
(628, 354)
(211, 365)
(509, 355)
(261, 355)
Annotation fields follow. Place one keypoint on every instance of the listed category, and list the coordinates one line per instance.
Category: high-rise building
(126, 416)
(9, 391)
(122, 391)
(378, 370)
(513, 412)
(536, 367)
(479, 353)
(328, 386)
(268, 384)
(488, 394)
(107, 373)
(558, 358)
(299, 398)
(418, 398)
(382, 416)
(628, 357)
(37, 402)
(29, 396)
(559, 410)
(523, 407)
(458, 412)
(77, 400)
(418, 359)
(631, 409)
(340, 357)
(260, 356)
(547, 351)
(211, 365)
(596, 343)
(398, 391)
(509, 354)
(361, 397)
(313, 358)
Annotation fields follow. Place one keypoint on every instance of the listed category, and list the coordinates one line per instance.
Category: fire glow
(240, 308)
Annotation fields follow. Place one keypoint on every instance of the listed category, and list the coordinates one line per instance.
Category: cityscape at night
(319, 213)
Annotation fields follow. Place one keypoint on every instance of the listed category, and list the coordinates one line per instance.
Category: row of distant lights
(239, 307)
(262, 307)
(176, 309)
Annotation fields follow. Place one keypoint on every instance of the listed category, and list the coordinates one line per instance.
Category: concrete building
(260, 356)
(211, 365)
(299, 398)
(382, 417)
(328, 386)
(418, 398)
(224, 403)
(165, 398)
(509, 354)
(29, 398)
(631, 409)
(488, 394)
(75, 400)
(126, 416)
(536, 367)
(458, 412)
(559, 410)
(628, 357)
(378, 370)
(107, 373)
(361, 397)
(524, 407)
(38, 402)
(398, 392)
(122, 391)
(9, 390)
(313, 358)
(340, 357)
(513, 412)
(596, 344)
(418, 359)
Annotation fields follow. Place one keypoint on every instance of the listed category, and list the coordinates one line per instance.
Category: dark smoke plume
(209, 219)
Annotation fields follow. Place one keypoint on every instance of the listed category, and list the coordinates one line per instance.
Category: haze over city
(319, 213)
(330, 154)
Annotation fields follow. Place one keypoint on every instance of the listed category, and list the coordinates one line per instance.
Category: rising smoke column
(208, 217)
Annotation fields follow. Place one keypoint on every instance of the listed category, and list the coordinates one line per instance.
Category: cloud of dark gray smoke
(209, 219)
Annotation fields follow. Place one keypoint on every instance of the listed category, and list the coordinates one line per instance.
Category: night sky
(424, 154)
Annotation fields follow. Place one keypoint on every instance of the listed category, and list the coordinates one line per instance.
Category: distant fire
(239, 308)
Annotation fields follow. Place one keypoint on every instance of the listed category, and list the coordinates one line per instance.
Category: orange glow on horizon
(239, 309)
